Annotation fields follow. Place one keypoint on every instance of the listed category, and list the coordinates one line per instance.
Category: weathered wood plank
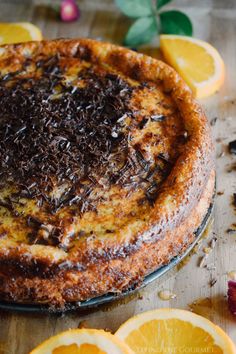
(20, 332)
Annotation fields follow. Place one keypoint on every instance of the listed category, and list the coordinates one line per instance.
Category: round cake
(107, 169)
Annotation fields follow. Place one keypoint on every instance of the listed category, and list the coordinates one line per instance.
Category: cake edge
(114, 276)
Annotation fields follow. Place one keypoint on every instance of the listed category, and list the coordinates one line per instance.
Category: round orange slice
(83, 341)
(199, 64)
(167, 331)
(19, 32)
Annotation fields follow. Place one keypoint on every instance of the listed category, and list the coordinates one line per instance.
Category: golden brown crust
(112, 264)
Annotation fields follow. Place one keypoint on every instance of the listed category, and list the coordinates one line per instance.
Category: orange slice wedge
(168, 331)
(19, 32)
(199, 64)
(83, 341)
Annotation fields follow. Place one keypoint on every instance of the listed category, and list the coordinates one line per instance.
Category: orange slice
(19, 32)
(83, 341)
(168, 331)
(200, 64)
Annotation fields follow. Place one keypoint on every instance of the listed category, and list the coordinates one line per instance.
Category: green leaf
(142, 31)
(55, 8)
(176, 22)
(161, 3)
(135, 8)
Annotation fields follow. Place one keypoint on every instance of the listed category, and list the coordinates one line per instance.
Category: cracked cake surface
(106, 169)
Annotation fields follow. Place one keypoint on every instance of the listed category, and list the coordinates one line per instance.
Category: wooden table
(214, 21)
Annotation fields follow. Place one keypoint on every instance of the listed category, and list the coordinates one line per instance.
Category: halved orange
(168, 331)
(83, 341)
(19, 32)
(199, 63)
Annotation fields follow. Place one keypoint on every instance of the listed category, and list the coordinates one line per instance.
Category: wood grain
(214, 21)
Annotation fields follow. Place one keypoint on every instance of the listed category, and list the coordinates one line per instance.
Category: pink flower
(69, 10)
(232, 296)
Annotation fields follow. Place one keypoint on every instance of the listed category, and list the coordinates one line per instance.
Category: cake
(106, 173)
